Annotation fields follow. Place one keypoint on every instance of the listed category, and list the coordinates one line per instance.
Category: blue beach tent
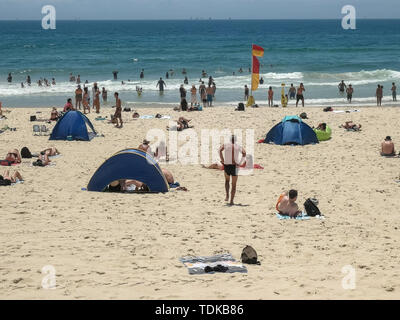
(74, 124)
(291, 130)
(129, 164)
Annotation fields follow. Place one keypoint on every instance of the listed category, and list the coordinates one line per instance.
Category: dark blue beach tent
(74, 124)
(291, 130)
(129, 164)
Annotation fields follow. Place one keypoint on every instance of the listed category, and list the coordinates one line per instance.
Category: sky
(202, 9)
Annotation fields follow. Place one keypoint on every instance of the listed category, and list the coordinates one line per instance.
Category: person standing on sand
(230, 163)
(118, 110)
(193, 92)
(85, 100)
(161, 85)
(78, 97)
(94, 90)
(203, 94)
(349, 92)
(182, 92)
(209, 92)
(394, 94)
(270, 97)
(300, 95)
(96, 100)
(379, 95)
(246, 92)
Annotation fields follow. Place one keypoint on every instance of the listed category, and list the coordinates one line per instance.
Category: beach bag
(25, 153)
(311, 207)
(127, 109)
(249, 255)
(240, 107)
(33, 118)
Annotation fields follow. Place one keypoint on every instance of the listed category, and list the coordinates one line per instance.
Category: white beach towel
(197, 265)
(146, 116)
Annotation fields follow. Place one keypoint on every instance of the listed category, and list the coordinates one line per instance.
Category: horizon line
(202, 19)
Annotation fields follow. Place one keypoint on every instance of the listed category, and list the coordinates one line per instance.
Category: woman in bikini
(96, 100)
(50, 152)
(13, 156)
(85, 101)
(6, 179)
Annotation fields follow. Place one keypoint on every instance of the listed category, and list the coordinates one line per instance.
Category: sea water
(318, 53)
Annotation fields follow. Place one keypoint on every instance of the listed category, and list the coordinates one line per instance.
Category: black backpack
(33, 118)
(249, 255)
(241, 107)
(311, 207)
(25, 153)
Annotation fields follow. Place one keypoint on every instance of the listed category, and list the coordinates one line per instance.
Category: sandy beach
(127, 246)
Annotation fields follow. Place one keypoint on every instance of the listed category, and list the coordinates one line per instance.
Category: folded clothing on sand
(218, 263)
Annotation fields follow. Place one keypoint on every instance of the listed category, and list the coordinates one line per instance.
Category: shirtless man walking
(231, 164)
(118, 110)
(287, 205)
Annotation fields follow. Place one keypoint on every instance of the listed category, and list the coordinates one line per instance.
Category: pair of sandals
(218, 268)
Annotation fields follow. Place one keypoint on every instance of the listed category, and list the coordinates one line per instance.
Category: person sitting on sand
(68, 106)
(350, 125)
(387, 147)
(322, 127)
(6, 179)
(287, 205)
(145, 146)
(54, 114)
(168, 176)
(13, 156)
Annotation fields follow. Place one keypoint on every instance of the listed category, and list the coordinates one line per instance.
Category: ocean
(318, 53)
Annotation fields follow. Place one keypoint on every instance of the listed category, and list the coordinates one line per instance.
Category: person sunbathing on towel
(287, 205)
(50, 152)
(350, 125)
(43, 160)
(387, 147)
(6, 179)
(13, 156)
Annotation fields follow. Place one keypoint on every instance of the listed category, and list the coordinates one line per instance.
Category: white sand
(127, 245)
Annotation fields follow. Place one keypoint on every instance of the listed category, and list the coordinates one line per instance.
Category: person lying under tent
(125, 185)
(350, 125)
(287, 206)
(387, 147)
(6, 179)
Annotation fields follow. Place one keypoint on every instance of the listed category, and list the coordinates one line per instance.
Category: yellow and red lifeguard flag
(257, 51)
(255, 77)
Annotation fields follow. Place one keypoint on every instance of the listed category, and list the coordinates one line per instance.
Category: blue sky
(185, 9)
